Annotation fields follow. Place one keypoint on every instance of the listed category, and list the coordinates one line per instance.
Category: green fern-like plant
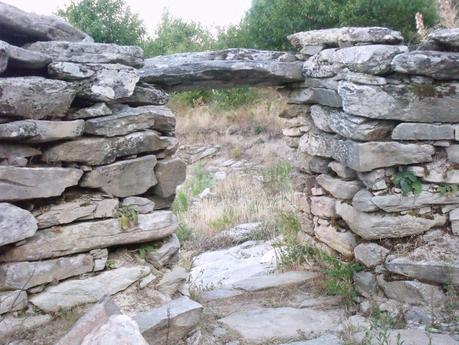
(407, 182)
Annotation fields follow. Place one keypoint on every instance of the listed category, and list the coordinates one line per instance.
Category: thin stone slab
(16, 224)
(125, 120)
(123, 178)
(25, 275)
(433, 64)
(69, 71)
(32, 183)
(98, 151)
(90, 290)
(338, 188)
(323, 340)
(84, 207)
(368, 59)
(90, 53)
(448, 38)
(165, 254)
(411, 336)
(170, 322)
(141, 205)
(400, 202)
(262, 325)
(345, 36)
(343, 242)
(96, 110)
(11, 151)
(414, 103)
(40, 131)
(315, 95)
(20, 58)
(145, 94)
(11, 326)
(437, 261)
(35, 97)
(12, 301)
(370, 254)
(85, 236)
(366, 156)
(222, 69)
(97, 316)
(17, 26)
(423, 131)
(379, 226)
(170, 173)
(3, 57)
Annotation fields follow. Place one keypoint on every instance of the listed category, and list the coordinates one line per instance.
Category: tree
(174, 35)
(107, 21)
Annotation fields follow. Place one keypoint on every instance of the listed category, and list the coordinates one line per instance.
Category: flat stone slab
(123, 178)
(125, 120)
(25, 275)
(437, 65)
(99, 151)
(89, 52)
(413, 336)
(262, 325)
(39, 131)
(375, 226)
(222, 69)
(343, 242)
(170, 173)
(35, 97)
(85, 236)
(20, 58)
(323, 340)
(12, 301)
(145, 94)
(90, 290)
(437, 261)
(170, 322)
(448, 38)
(17, 26)
(345, 36)
(423, 131)
(400, 202)
(32, 183)
(365, 156)
(16, 224)
(11, 326)
(414, 103)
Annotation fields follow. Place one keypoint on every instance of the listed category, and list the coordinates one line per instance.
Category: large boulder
(35, 97)
(170, 322)
(85, 236)
(90, 53)
(414, 103)
(25, 275)
(123, 178)
(90, 290)
(16, 224)
(18, 27)
(32, 183)
(376, 226)
(222, 69)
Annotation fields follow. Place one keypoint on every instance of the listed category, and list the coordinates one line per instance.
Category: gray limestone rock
(370, 254)
(171, 281)
(362, 201)
(378, 226)
(16, 224)
(123, 178)
(19, 58)
(141, 205)
(222, 69)
(89, 52)
(316, 95)
(446, 38)
(170, 173)
(400, 202)
(415, 102)
(437, 65)
(17, 26)
(323, 206)
(35, 97)
(3, 57)
(125, 120)
(172, 321)
(12, 301)
(70, 71)
(342, 171)
(338, 188)
(165, 254)
(85, 236)
(32, 183)
(145, 94)
(345, 36)
(25, 275)
(341, 241)
(89, 290)
(12, 151)
(98, 109)
(366, 284)
(423, 131)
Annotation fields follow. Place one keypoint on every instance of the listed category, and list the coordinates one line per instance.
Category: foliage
(200, 180)
(144, 250)
(184, 232)
(110, 265)
(407, 182)
(378, 333)
(107, 21)
(175, 35)
(224, 220)
(448, 189)
(180, 203)
(128, 217)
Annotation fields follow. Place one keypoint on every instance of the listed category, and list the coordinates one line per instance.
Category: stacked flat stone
(80, 138)
(369, 107)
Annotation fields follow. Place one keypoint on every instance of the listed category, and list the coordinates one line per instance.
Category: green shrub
(200, 180)
(184, 233)
(225, 220)
(180, 203)
(407, 182)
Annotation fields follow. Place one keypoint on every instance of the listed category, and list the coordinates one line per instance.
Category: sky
(210, 13)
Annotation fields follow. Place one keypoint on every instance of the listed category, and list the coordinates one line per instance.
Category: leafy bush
(180, 203)
(407, 182)
(107, 21)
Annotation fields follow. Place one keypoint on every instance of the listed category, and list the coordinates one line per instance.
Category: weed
(378, 333)
(224, 221)
(200, 180)
(180, 203)
(407, 182)
(184, 232)
(128, 217)
(110, 265)
(276, 176)
(144, 250)
(236, 152)
(447, 189)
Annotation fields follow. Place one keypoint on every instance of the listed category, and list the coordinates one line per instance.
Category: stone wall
(86, 163)
(375, 128)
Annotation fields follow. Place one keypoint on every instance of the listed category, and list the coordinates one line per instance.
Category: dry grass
(448, 13)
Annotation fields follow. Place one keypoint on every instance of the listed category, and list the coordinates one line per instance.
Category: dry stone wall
(83, 143)
(375, 126)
